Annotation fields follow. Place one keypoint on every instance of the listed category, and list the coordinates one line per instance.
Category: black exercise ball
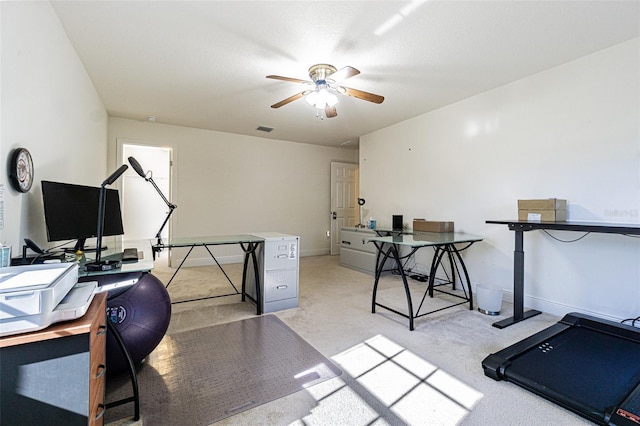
(141, 313)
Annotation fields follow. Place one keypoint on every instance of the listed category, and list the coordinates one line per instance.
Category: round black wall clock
(21, 170)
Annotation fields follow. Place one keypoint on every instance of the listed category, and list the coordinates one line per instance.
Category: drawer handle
(103, 409)
(101, 370)
(101, 330)
(281, 287)
(346, 242)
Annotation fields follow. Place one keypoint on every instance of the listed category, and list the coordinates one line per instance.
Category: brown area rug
(201, 376)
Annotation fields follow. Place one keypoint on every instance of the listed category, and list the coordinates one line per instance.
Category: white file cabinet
(355, 252)
(278, 269)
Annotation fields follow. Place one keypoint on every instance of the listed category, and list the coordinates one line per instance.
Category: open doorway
(143, 209)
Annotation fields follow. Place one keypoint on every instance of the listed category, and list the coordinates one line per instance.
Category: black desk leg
(518, 286)
(395, 251)
(135, 398)
(250, 251)
(379, 265)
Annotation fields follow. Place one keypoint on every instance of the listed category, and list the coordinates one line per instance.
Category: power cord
(633, 321)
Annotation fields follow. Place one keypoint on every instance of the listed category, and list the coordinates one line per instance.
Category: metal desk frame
(389, 246)
(520, 227)
(248, 243)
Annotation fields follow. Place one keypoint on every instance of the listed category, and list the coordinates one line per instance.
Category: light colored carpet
(429, 376)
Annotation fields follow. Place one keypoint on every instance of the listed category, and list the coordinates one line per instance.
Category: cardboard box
(421, 225)
(545, 204)
(542, 215)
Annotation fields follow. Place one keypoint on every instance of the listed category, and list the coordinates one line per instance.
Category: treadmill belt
(588, 365)
(589, 370)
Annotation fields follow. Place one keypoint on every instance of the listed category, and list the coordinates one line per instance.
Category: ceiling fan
(325, 78)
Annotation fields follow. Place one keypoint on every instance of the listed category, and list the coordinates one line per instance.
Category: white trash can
(489, 299)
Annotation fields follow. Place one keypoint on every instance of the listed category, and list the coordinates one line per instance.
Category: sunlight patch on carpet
(411, 387)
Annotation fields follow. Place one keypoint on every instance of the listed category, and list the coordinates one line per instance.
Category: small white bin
(489, 299)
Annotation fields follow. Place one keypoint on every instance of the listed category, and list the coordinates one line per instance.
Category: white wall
(227, 184)
(50, 107)
(570, 132)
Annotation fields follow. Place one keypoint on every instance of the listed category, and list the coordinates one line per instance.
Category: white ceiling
(203, 63)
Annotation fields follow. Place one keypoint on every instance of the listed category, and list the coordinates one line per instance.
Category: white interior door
(143, 209)
(344, 201)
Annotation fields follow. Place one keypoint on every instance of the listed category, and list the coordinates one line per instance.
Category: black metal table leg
(518, 286)
(131, 369)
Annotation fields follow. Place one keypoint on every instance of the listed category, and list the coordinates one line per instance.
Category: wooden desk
(56, 375)
(519, 227)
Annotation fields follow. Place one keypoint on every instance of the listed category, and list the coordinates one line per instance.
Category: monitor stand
(81, 247)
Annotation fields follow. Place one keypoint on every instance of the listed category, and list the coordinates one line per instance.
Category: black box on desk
(397, 222)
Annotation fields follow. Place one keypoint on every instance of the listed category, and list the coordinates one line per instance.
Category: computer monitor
(71, 212)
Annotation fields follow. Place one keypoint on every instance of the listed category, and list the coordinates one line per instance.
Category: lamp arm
(169, 204)
(100, 230)
(171, 209)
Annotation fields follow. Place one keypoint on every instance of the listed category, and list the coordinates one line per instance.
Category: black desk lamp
(104, 265)
(148, 176)
(360, 204)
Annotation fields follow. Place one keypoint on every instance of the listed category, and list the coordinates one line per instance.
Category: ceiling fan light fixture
(324, 96)
(321, 98)
(312, 98)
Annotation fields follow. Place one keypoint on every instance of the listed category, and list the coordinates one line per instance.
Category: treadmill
(585, 364)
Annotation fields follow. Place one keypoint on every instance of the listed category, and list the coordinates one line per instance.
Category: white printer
(32, 297)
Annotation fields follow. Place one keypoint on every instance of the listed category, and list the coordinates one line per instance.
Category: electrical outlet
(328, 234)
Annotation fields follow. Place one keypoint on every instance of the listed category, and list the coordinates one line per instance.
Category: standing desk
(248, 243)
(520, 227)
(390, 246)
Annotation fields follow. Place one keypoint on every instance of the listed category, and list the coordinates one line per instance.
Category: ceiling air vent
(264, 129)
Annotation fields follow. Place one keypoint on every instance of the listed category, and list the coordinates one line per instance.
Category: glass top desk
(115, 249)
(247, 242)
(443, 243)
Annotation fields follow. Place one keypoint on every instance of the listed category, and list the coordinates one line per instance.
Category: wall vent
(264, 129)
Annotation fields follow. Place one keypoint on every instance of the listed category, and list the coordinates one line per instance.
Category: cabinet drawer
(97, 366)
(281, 254)
(359, 260)
(280, 285)
(357, 241)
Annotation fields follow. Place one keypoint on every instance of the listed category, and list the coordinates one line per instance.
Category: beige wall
(50, 107)
(570, 132)
(229, 184)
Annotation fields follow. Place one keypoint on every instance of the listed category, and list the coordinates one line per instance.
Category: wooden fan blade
(343, 74)
(330, 112)
(293, 80)
(289, 99)
(377, 99)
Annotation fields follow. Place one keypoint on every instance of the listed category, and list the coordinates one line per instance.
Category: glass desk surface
(420, 239)
(212, 240)
(115, 246)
